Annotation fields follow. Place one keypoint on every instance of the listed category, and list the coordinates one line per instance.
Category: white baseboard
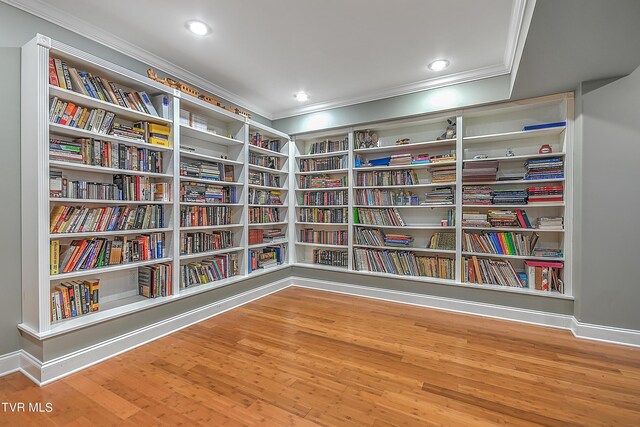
(606, 334)
(76, 361)
(44, 373)
(448, 304)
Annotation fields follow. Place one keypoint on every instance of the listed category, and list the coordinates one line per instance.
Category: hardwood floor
(305, 358)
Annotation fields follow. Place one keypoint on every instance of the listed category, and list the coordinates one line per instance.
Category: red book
(521, 220)
(53, 75)
(68, 113)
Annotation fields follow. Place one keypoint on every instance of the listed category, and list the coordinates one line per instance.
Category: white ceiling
(339, 51)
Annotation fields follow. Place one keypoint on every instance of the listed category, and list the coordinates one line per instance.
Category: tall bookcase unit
(488, 205)
(188, 191)
(268, 201)
(322, 201)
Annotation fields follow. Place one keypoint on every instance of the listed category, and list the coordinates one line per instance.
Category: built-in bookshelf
(136, 193)
(481, 199)
(322, 205)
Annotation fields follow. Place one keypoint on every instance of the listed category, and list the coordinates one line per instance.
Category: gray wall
(10, 303)
(609, 288)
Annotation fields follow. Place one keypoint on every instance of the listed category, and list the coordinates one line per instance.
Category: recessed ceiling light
(439, 65)
(301, 96)
(198, 28)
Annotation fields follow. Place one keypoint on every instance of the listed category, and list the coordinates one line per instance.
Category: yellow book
(158, 141)
(54, 257)
(161, 129)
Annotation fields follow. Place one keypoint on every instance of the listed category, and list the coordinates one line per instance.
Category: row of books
(480, 171)
(74, 298)
(325, 181)
(323, 164)
(335, 258)
(87, 254)
(443, 241)
(388, 216)
(326, 216)
(93, 152)
(70, 78)
(329, 146)
(124, 187)
(193, 243)
(207, 170)
(385, 178)
(538, 275)
(325, 198)
(264, 178)
(271, 162)
(439, 196)
(326, 237)
(506, 243)
(484, 195)
(545, 194)
(210, 269)
(378, 197)
(547, 168)
(90, 119)
(263, 215)
(79, 219)
(258, 140)
(197, 192)
(201, 216)
(377, 237)
(264, 197)
(403, 263)
(155, 281)
(509, 197)
(267, 257)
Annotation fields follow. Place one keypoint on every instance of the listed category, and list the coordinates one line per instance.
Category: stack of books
(445, 241)
(477, 195)
(547, 252)
(480, 171)
(397, 240)
(504, 218)
(129, 132)
(195, 192)
(443, 174)
(401, 159)
(544, 275)
(475, 219)
(447, 157)
(548, 168)
(439, 196)
(421, 159)
(66, 151)
(273, 235)
(509, 197)
(546, 194)
(556, 223)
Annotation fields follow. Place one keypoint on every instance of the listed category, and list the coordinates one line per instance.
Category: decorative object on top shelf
(366, 139)
(545, 149)
(403, 141)
(190, 90)
(450, 131)
(509, 153)
(480, 156)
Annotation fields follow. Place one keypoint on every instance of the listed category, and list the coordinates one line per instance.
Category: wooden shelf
(265, 244)
(530, 205)
(199, 156)
(108, 269)
(211, 253)
(405, 187)
(405, 206)
(209, 204)
(410, 227)
(516, 158)
(210, 181)
(407, 249)
(323, 189)
(266, 151)
(268, 224)
(214, 138)
(321, 155)
(210, 227)
(531, 182)
(57, 164)
(106, 202)
(322, 245)
(266, 187)
(326, 172)
(530, 257)
(509, 136)
(398, 167)
(265, 169)
(512, 229)
(85, 234)
(406, 147)
(342, 224)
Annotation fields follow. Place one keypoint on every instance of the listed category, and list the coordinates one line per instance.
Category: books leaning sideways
(477, 195)
(548, 168)
(546, 194)
(439, 196)
(556, 223)
(480, 171)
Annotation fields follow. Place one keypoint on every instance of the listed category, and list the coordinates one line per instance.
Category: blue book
(545, 126)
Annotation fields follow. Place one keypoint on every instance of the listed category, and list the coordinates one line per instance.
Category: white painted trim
(44, 373)
(606, 334)
(440, 303)
(10, 363)
(69, 22)
(518, 28)
(513, 61)
(451, 79)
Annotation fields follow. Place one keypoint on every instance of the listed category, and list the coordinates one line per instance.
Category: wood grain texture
(305, 358)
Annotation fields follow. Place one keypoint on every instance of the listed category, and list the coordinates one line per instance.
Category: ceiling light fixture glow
(198, 28)
(301, 96)
(439, 65)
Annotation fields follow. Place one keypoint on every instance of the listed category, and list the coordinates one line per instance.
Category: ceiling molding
(452, 79)
(517, 32)
(89, 31)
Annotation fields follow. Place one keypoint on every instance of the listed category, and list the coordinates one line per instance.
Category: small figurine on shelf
(366, 139)
(450, 132)
(545, 149)
(403, 141)
(509, 153)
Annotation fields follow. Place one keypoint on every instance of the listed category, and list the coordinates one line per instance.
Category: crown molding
(89, 31)
(517, 32)
(449, 80)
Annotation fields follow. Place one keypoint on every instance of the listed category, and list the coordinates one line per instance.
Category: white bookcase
(488, 132)
(216, 137)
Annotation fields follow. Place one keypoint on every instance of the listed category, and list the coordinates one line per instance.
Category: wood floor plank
(309, 358)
